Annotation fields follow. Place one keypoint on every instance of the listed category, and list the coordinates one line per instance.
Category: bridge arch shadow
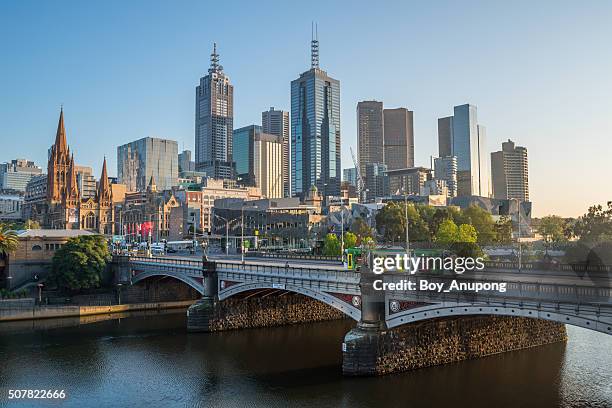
(434, 311)
(193, 283)
(330, 300)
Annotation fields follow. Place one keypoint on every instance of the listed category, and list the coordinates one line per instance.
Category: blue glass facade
(315, 133)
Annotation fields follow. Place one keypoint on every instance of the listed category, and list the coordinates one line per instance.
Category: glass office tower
(467, 141)
(315, 130)
(142, 159)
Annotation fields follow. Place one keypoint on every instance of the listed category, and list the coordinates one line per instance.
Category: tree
(482, 221)
(8, 240)
(79, 263)
(552, 229)
(595, 225)
(390, 222)
(467, 233)
(350, 240)
(503, 230)
(447, 232)
(361, 228)
(331, 245)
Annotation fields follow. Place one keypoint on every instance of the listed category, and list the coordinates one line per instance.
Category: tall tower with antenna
(214, 122)
(315, 128)
(314, 47)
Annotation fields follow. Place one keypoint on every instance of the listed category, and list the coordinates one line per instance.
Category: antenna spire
(314, 46)
(214, 61)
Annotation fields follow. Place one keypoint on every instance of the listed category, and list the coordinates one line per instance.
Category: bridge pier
(202, 313)
(372, 349)
(362, 345)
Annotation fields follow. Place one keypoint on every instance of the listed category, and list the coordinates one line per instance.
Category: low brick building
(34, 254)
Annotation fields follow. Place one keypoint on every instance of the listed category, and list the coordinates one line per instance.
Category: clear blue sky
(539, 72)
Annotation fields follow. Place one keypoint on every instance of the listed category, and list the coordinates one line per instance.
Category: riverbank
(50, 312)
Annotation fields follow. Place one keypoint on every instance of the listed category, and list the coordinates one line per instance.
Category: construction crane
(360, 185)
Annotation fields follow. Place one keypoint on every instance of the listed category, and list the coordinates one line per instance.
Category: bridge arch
(587, 320)
(330, 300)
(176, 275)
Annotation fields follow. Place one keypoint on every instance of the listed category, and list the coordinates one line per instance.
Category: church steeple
(104, 191)
(72, 189)
(60, 137)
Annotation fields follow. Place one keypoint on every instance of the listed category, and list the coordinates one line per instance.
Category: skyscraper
(16, 174)
(315, 130)
(276, 122)
(259, 159)
(139, 160)
(398, 138)
(377, 181)
(370, 134)
(185, 163)
(445, 168)
(350, 176)
(214, 117)
(510, 173)
(466, 140)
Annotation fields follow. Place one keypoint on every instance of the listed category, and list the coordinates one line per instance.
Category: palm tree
(8, 240)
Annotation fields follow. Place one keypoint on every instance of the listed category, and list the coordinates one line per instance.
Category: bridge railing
(167, 261)
(546, 266)
(305, 257)
(523, 291)
(321, 274)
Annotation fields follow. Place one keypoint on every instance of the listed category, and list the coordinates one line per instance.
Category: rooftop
(58, 233)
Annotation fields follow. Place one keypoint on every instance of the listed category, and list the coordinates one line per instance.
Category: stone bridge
(535, 305)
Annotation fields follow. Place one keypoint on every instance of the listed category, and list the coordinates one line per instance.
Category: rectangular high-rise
(510, 173)
(276, 122)
(377, 181)
(370, 134)
(315, 131)
(214, 122)
(259, 160)
(148, 157)
(398, 138)
(461, 136)
(445, 168)
(16, 174)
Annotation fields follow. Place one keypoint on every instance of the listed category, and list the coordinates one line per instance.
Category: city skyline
(514, 100)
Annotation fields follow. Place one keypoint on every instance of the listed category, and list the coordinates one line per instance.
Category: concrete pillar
(360, 349)
(202, 312)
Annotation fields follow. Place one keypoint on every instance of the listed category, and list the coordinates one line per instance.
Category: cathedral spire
(72, 189)
(104, 191)
(60, 137)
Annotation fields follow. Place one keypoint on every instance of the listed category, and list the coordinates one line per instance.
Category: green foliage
(467, 233)
(503, 230)
(447, 232)
(8, 240)
(552, 229)
(391, 223)
(595, 225)
(331, 245)
(482, 221)
(7, 294)
(361, 228)
(79, 263)
(350, 240)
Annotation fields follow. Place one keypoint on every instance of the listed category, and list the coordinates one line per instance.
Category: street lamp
(406, 215)
(226, 232)
(242, 233)
(40, 286)
(119, 293)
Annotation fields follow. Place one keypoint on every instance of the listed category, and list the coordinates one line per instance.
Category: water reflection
(149, 360)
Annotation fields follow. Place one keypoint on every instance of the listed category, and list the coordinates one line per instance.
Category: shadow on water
(150, 360)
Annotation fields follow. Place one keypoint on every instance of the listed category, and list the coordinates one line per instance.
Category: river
(148, 360)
